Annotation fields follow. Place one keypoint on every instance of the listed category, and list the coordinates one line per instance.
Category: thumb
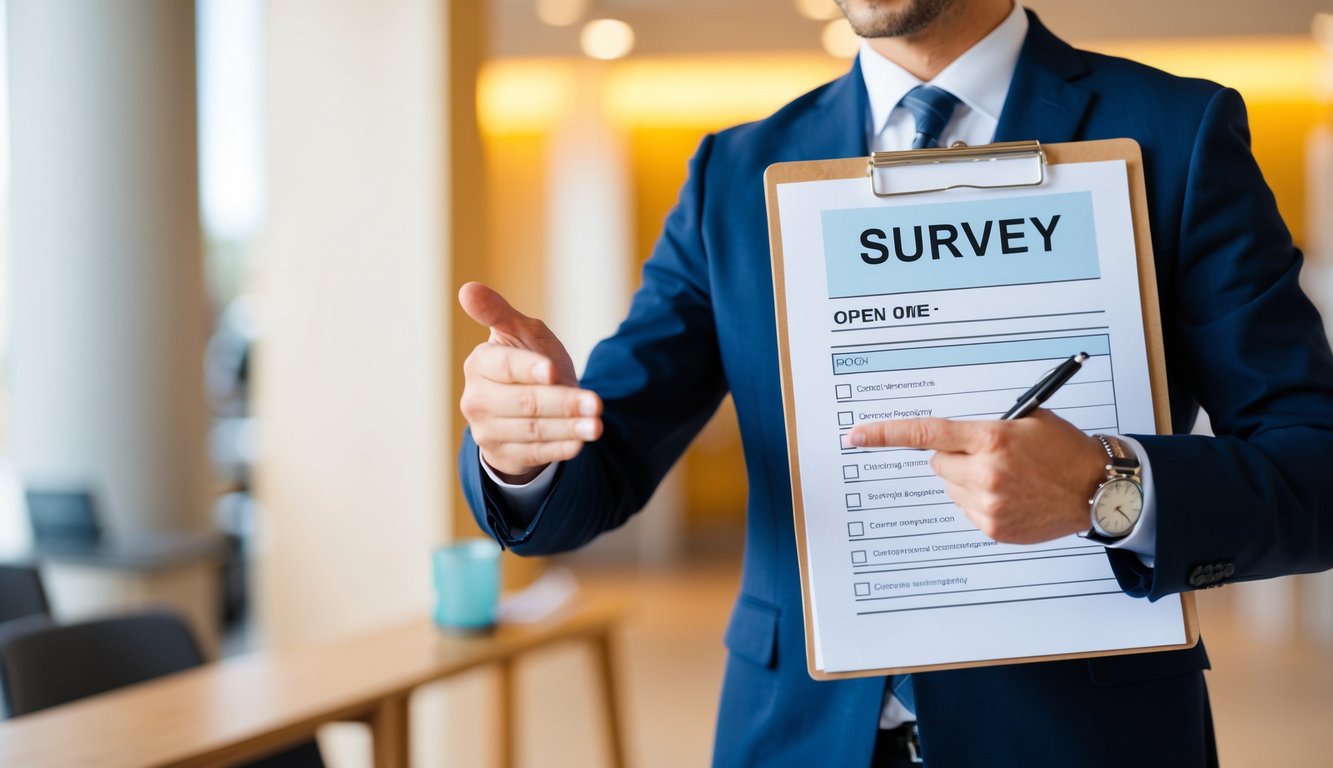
(490, 309)
(512, 328)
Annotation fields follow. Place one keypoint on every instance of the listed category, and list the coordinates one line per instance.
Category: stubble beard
(877, 21)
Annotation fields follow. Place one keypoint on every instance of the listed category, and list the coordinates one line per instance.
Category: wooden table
(242, 708)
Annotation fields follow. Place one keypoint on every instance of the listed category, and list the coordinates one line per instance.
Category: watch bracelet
(1118, 456)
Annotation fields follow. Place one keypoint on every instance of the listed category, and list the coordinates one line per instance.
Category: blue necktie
(901, 685)
(932, 107)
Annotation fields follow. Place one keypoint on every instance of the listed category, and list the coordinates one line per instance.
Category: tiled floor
(1272, 695)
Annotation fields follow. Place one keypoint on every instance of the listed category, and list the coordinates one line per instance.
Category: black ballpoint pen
(1041, 391)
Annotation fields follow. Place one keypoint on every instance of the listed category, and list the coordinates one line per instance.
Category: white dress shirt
(979, 78)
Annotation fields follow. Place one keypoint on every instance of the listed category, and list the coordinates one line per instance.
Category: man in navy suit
(550, 462)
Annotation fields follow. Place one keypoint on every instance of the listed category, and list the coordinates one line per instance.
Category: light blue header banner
(942, 246)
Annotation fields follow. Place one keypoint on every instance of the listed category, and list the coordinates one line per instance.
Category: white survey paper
(952, 305)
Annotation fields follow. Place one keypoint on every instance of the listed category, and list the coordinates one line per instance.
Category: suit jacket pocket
(1141, 667)
(752, 633)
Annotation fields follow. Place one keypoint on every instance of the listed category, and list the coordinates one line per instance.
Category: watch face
(1118, 505)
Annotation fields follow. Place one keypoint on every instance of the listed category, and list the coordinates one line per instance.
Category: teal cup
(467, 585)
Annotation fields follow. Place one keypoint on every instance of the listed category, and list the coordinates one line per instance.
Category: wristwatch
(1118, 502)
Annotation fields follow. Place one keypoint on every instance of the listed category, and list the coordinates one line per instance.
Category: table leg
(507, 747)
(610, 704)
(389, 733)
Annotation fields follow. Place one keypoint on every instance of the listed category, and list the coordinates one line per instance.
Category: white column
(351, 392)
(1317, 275)
(591, 269)
(351, 385)
(1317, 588)
(591, 219)
(108, 317)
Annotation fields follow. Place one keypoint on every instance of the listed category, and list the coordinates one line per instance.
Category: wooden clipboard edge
(1127, 150)
(782, 173)
(1130, 151)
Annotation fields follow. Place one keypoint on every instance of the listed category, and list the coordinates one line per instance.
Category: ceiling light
(607, 39)
(561, 13)
(839, 39)
(1322, 28)
(819, 10)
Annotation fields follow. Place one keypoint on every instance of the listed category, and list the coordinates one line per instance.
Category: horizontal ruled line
(987, 562)
(988, 589)
(888, 345)
(1097, 547)
(977, 320)
(966, 392)
(991, 602)
(900, 506)
(914, 535)
(887, 479)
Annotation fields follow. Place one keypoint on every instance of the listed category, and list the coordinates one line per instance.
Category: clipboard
(920, 174)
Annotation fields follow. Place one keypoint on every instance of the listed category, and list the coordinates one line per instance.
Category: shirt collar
(979, 77)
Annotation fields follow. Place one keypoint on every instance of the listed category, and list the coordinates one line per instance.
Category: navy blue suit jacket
(1242, 341)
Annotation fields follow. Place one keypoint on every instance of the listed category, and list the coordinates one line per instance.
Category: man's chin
(873, 18)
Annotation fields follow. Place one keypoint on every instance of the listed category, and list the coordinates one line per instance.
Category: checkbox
(850, 472)
(843, 391)
(862, 589)
(859, 557)
(856, 529)
(853, 500)
(844, 442)
(845, 418)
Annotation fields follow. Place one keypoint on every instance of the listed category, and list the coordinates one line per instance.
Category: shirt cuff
(1142, 541)
(524, 499)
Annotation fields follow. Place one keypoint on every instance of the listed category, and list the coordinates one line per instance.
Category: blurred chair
(15, 628)
(43, 665)
(22, 604)
(21, 593)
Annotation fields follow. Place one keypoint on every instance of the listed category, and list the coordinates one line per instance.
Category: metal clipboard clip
(990, 166)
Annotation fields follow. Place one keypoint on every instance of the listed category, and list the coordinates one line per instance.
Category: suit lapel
(837, 126)
(1043, 102)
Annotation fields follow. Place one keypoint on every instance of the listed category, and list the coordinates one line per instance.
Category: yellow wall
(516, 227)
(1280, 81)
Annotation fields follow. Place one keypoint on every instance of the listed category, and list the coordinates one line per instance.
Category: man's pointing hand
(520, 395)
(1020, 482)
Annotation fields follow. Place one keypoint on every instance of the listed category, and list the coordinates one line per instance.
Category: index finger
(926, 434)
(510, 365)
